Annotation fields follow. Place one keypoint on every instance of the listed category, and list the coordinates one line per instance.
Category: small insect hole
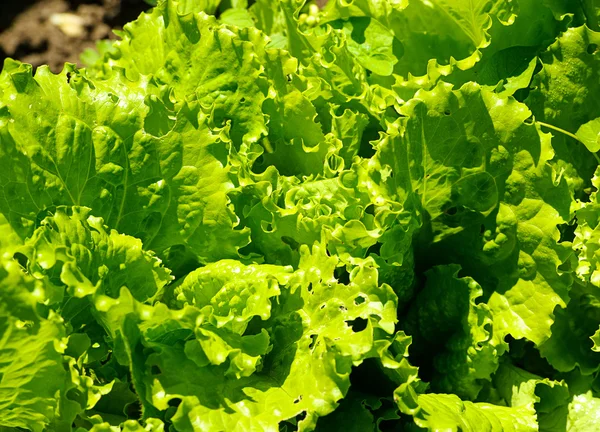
(359, 300)
(358, 324)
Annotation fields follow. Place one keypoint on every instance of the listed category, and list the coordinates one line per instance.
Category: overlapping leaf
(367, 226)
(295, 359)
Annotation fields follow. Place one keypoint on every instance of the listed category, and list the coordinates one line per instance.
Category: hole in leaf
(21, 259)
(155, 370)
(567, 232)
(370, 209)
(298, 399)
(374, 249)
(175, 402)
(359, 300)
(342, 275)
(313, 341)
(447, 112)
(358, 324)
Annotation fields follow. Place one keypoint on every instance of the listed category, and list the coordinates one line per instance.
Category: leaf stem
(567, 133)
(549, 126)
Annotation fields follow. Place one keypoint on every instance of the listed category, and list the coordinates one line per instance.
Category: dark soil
(28, 34)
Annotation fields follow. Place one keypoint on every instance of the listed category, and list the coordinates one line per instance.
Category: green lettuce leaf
(562, 96)
(454, 332)
(570, 345)
(31, 370)
(135, 165)
(583, 413)
(589, 135)
(151, 425)
(523, 399)
(437, 32)
(563, 91)
(291, 216)
(596, 339)
(87, 258)
(481, 181)
(317, 327)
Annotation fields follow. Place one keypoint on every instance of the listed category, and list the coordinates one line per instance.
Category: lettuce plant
(373, 215)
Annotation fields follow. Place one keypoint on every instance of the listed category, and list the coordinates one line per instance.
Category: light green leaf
(136, 164)
(563, 92)
(437, 155)
(447, 412)
(433, 32)
(589, 135)
(587, 237)
(231, 294)
(90, 258)
(197, 57)
(318, 330)
(31, 370)
(563, 96)
(151, 425)
(583, 413)
(239, 17)
(521, 393)
(479, 174)
(596, 339)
